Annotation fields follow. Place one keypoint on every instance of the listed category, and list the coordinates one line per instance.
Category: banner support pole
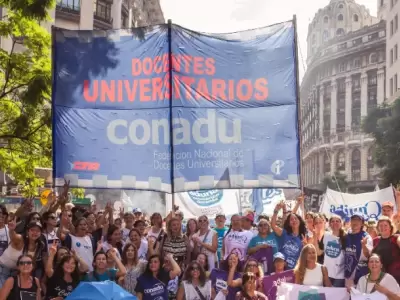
(296, 59)
(170, 90)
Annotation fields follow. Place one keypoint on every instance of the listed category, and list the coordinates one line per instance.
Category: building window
(327, 164)
(395, 83)
(370, 163)
(396, 23)
(340, 31)
(356, 165)
(357, 63)
(342, 67)
(326, 19)
(340, 17)
(391, 28)
(102, 10)
(391, 4)
(341, 162)
(69, 4)
(313, 39)
(373, 58)
(382, 2)
(355, 18)
(391, 56)
(325, 35)
(391, 86)
(340, 6)
(396, 53)
(372, 80)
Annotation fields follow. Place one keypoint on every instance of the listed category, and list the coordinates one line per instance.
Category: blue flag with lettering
(172, 110)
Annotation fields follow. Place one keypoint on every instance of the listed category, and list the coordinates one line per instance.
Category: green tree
(338, 182)
(383, 123)
(25, 91)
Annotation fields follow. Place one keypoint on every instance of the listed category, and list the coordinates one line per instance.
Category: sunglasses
(202, 221)
(195, 269)
(51, 217)
(25, 263)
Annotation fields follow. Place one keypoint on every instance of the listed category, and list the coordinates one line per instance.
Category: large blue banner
(226, 102)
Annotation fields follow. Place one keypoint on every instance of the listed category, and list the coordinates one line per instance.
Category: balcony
(68, 9)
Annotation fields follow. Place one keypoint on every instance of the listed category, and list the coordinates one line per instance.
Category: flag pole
(296, 59)
(170, 90)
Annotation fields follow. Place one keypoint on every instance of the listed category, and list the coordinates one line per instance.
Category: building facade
(391, 12)
(345, 79)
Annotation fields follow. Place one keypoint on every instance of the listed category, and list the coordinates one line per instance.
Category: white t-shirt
(107, 246)
(387, 281)
(142, 251)
(83, 247)
(334, 256)
(4, 239)
(153, 235)
(125, 234)
(207, 239)
(50, 237)
(237, 242)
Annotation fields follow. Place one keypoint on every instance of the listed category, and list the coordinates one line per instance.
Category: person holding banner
(293, 234)
(378, 280)
(264, 239)
(308, 271)
(358, 248)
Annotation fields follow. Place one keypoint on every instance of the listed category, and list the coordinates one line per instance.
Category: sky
(216, 16)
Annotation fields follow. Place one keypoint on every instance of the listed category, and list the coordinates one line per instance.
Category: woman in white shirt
(195, 284)
(378, 281)
(308, 271)
(206, 241)
(334, 246)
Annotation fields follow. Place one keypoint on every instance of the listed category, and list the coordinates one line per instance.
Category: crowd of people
(46, 254)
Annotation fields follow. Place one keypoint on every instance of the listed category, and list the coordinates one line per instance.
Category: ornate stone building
(345, 79)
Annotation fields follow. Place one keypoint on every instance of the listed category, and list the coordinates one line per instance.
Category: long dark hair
(40, 246)
(29, 220)
(188, 273)
(230, 225)
(110, 232)
(59, 270)
(147, 271)
(245, 278)
(302, 225)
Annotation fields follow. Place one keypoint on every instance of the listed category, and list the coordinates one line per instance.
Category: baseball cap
(250, 216)
(279, 255)
(137, 210)
(388, 203)
(357, 215)
(34, 224)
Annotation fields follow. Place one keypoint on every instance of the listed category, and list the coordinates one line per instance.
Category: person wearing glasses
(49, 229)
(249, 288)
(206, 241)
(23, 286)
(195, 284)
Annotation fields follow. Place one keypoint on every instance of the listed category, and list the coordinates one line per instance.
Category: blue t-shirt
(220, 234)
(152, 288)
(109, 274)
(269, 240)
(291, 247)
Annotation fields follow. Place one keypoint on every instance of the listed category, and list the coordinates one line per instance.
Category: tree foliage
(25, 92)
(383, 123)
(338, 182)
